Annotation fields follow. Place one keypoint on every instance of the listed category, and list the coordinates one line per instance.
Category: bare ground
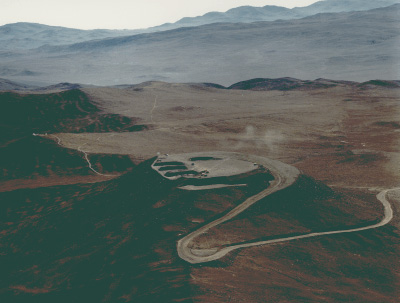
(346, 137)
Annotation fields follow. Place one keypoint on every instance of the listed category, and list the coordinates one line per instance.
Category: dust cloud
(270, 139)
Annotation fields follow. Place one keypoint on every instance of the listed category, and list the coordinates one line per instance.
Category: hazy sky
(119, 14)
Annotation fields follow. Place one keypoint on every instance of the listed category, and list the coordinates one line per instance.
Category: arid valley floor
(85, 217)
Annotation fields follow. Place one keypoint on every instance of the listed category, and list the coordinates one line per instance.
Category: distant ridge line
(256, 84)
(287, 83)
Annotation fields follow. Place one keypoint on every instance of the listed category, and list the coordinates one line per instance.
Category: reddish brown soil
(115, 241)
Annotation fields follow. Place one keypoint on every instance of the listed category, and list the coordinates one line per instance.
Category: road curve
(85, 154)
(285, 175)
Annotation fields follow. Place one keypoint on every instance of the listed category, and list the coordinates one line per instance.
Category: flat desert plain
(343, 136)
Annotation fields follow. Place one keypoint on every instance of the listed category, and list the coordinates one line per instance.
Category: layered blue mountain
(355, 46)
(30, 35)
(247, 14)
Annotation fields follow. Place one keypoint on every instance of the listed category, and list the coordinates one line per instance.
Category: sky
(120, 14)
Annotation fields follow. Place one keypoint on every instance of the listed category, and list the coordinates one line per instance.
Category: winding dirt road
(85, 154)
(90, 164)
(285, 176)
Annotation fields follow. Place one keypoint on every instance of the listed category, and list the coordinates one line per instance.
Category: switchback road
(285, 176)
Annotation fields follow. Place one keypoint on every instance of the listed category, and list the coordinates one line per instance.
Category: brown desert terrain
(100, 186)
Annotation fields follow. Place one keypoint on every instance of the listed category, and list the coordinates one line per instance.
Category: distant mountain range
(20, 36)
(356, 46)
(258, 84)
(248, 14)
(6, 85)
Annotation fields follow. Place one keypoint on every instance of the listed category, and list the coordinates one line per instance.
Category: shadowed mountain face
(345, 46)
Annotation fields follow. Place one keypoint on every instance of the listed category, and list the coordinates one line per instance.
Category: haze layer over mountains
(341, 44)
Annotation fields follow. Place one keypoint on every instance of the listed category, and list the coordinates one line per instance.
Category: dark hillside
(107, 241)
(23, 155)
(85, 243)
(306, 206)
(32, 157)
(68, 111)
(116, 240)
(284, 84)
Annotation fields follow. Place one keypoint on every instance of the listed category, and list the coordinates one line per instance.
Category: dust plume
(270, 139)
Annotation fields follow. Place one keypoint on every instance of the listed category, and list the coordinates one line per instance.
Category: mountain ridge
(256, 84)
(25, 35)
(354, 46)
(246, 14)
